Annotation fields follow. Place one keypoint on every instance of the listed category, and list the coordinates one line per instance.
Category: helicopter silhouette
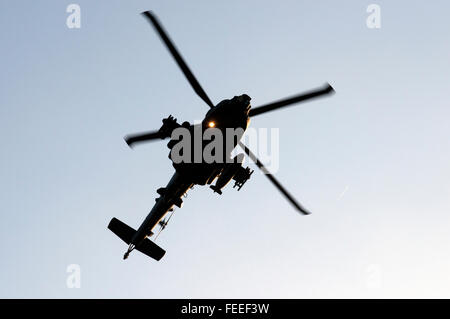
(234, 114)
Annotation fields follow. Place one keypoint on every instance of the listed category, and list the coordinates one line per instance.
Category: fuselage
(226, 115)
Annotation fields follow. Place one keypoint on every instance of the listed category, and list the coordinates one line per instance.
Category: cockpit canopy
(229, 113)
(240, 102)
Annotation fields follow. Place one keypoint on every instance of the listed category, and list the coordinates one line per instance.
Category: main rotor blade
(277, 184)
(142, 137)
(176, 55)
(291, 100)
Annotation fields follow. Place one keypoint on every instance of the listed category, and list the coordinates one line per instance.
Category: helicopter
(232, 113)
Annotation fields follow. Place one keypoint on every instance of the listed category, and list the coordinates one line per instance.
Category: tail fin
(126, 233)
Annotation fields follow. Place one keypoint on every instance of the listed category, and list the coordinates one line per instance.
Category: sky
(371, 162)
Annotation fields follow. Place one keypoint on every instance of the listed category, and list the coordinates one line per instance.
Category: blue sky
(371, 162)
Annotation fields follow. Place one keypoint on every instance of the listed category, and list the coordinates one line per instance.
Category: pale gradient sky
(371, 163)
